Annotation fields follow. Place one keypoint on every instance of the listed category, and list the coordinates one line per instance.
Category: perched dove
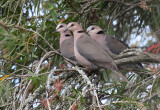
(89, 53)
(66, 42)
(112, 44)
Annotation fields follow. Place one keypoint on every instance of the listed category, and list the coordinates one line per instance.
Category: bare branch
(138, 57)
(92, 87)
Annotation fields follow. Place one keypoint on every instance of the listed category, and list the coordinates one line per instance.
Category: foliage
(155, 48)
(33, 72)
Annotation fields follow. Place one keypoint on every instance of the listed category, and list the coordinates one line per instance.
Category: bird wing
(113, 43)
(67, 49)
(91, 50)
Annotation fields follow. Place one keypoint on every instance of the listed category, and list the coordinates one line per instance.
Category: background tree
(35, 76)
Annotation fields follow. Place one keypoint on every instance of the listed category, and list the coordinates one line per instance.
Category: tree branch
(137, 56)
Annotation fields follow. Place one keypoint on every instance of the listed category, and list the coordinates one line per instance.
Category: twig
(20, 17)
(39, 45)
(41, 61)
(139, 104)
(140, 57)
(48, 104)
(5, 105)
(49, 79)
(148, 98)
(94, 93)
(124, 11)
(15, 10)
(121, 2)
(87, 6)
(41, 37)
(24, 96)
(24, 29)
(26, 67)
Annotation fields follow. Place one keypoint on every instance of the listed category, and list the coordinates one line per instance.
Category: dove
(112, 44)
(66, 42)
(89, 53)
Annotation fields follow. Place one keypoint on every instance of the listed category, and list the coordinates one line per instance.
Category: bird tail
(139, 66)
(132, 67)
(120, 75)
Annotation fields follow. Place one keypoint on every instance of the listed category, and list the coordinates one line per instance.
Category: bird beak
(54, 31)
(67, 28)
(88, 31)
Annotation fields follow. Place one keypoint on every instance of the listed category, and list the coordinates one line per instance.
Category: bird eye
(61, 26)
(72, 25)
(92, 28)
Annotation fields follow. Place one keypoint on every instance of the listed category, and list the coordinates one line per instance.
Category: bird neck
(64, 36)
(78, 33)
(68, 35)
(100, 32)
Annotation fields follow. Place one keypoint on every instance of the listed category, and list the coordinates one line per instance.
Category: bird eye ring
(61, 26)
(92, 28)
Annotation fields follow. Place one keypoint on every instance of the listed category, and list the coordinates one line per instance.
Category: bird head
(74, 26)
(61, 27)
(93, 29)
